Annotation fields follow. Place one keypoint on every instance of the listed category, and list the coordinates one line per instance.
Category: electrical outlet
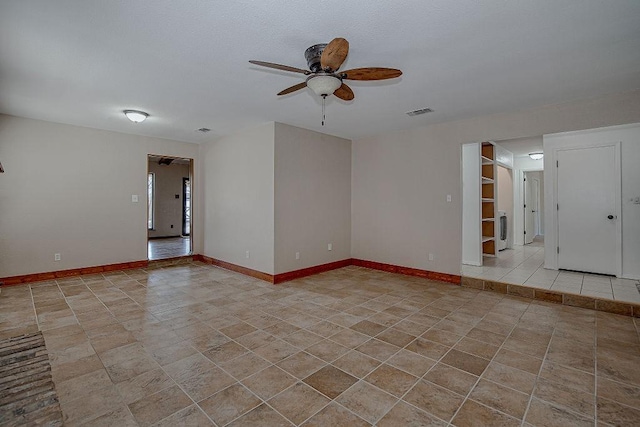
(248, 255)
(56, 257)
(448, 197)
(431, 257)
(297, 255)
(330, 247)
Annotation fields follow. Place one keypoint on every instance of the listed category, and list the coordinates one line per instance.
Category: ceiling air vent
(418, 112)
(204, 130)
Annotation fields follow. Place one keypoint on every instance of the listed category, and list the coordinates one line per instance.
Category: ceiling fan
(324, 79)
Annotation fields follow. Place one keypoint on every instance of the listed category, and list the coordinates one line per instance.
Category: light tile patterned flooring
(523, 265)
(169, 247)
(197, 345)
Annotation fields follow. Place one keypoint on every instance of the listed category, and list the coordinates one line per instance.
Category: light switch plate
(134, 198)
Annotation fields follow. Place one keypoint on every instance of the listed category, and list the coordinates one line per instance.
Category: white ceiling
(186, 62)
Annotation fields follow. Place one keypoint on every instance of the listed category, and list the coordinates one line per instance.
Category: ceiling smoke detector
(418, 112)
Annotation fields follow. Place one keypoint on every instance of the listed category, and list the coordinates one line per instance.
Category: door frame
(536, 217)
(552, 145)
(191, 182)
(184, 205)
(518, 203)
(525, 236)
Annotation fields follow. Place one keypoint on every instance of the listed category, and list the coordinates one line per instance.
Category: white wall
(312, 198)
(629, 137)
(238, 174)
(68, 189)
(401, 179)
(168, 209)
(471, 231)
(526, 163)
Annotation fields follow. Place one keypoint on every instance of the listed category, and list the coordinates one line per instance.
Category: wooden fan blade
(334, 54)
(280, 67)
(371, 73)
(344, 92)
(293, 88)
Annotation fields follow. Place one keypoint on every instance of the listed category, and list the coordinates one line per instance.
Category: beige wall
(68, 189)
(400, 180)
(238, 196)
(312, 198)
(505, 198)
(168, 209)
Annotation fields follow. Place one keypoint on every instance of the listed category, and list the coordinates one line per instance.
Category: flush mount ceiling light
(136, 116)
(536, 156)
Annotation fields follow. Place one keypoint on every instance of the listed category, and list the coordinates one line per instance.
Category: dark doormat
(27, 394)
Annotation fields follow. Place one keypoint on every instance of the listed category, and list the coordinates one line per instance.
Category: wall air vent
(204, 130)
(418, 112)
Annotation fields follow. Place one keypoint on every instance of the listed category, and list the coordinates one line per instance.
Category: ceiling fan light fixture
(323, 84)
(536, 156)
(136, 116)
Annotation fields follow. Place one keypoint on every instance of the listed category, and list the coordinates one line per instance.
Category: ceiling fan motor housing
(313, 55)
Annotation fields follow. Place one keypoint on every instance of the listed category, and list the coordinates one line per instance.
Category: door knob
(611, 216)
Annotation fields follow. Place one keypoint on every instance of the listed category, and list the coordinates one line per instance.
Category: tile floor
(197, 345)
(169, 247)
(523, 265)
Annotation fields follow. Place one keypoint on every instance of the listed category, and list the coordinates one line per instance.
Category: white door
(587, 211)
(529, 232)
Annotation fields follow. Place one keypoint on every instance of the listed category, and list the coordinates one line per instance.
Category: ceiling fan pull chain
(324, 97)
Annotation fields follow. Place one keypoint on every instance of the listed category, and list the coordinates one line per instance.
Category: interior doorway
(169, 207)
(532, 190)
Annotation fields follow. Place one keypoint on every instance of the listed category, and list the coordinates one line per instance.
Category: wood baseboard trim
(233, 267)
(310, 271)
(38, 277)
(277, 278)
(432, 275)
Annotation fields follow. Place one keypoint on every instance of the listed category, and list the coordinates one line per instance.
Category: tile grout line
(160, 366)
(490, 361)
(98, 356)
(398, 399)
(33, 304)
(535, 383)
(91, 344)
